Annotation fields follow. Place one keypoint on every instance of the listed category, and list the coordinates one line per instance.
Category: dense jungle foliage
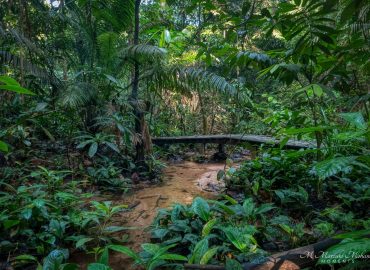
(86, 84)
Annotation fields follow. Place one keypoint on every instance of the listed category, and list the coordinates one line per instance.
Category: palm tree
(97, 52)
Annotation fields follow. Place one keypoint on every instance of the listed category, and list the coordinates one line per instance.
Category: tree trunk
(134, 99)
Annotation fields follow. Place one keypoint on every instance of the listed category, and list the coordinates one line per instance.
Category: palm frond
(119, 14)
(244, 58)
(17, 62)
(143, 53)
(107, 43)
(330, 167)
(19, 38)
(78, 94)
(187, 79)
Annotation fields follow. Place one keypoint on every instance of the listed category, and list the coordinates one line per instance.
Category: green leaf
(83, 241)
(199, 250)
(354, 235)
(17, 89)
(201, 208)
(172, 257)
(286, 228)
(231, 200)
(26, 257)
(356, 119)
(55, 258)
(225, 209)
(10, 223)
(293, 131)
(93, 149)
(249, 207)
(125, 250)
(150, 248)
(83, 144)
(346, 248)
(112, 146)
(208, 227)
(265, 208)
(208, 255)
(3, 147)
(241, 238)
(104, 257)
(9, 81)
(330, 167)
(348, 11)
(98, 266)
(233, 265)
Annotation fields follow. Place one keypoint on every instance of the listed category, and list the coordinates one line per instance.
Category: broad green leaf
(10, 223)
(208, 227)
(150, 248)
(83, 241)
(8, 81)
(125, 250)
(201, 208)
(17, 89)
(249, 207)
(225, 209)
(208, 255)
(286, 228)
(104, 257)
(3, 147)
(93, 149)
(231, 200)
(199, 250)
(112, 146)
(240, 237)
(265, 208)
(26, 257)
(55, 258)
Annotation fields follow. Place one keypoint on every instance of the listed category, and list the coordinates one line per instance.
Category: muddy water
(181, 184)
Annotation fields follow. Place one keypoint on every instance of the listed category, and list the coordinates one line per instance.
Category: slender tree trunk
(203, 114)
(138, 113)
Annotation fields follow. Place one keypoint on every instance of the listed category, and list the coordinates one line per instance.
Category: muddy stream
(182, 182)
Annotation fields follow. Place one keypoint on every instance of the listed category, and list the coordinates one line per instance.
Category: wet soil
(182, 182)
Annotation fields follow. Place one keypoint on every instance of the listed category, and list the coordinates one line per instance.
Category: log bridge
(221, 140)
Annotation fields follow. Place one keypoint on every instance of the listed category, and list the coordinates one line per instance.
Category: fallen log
(294, 259)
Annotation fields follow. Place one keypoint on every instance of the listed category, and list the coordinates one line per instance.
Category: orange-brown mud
(181, 184)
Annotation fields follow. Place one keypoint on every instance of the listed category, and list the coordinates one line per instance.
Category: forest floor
(182, 182)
